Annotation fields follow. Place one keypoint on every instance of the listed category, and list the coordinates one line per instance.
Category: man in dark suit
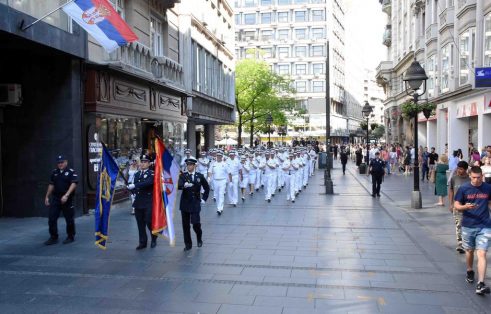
(377, 170)
(142, 187)
(191, 183)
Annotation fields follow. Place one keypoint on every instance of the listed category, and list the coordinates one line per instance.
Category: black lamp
(367, 110)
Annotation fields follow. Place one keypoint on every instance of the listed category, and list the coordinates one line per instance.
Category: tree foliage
(259, 92)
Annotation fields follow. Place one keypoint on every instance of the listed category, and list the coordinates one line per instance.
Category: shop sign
(483, 77)
(467, 110)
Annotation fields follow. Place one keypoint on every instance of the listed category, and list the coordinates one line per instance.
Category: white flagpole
(23, 28)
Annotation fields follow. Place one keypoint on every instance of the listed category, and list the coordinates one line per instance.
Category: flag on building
(102, 22)
(108, 174)
(164, 192)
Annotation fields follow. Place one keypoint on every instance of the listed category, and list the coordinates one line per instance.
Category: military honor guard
(245, 169)
(219, 174)
(142, 187)
(191, 183)
(377, 170)
(288, 173)
(233, 165)
(254, 169)
(59, 198)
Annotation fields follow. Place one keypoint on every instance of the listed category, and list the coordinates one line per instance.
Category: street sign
(483, 77)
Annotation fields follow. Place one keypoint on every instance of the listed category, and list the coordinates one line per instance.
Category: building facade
(450, 38)
(291, 36)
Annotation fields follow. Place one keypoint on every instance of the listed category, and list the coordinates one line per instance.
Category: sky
(364, 28)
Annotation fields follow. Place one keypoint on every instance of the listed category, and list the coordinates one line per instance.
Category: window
(237, 19)
(317, 51)
(237, 54)
(300, 69)
(250, 19)
(300, 1)
(301, 86)
(283, 34)
(249, 35)
(266, 18)
(466, 59)
(266, 34)
(431, 72)
(249, 3)
(284, 2)
(487, 41)
(283, 17)
(317, 33)
(284, 69)
(265, 2)
(317, 86)
(318, 68)
(267, 52)
(318, 15)
(283, 52)
(118, 5)
(301, 33)
(156, 37)
(446, 56)
(300, 51)
(300, 16)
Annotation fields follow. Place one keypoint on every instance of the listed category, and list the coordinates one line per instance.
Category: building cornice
(402, 64)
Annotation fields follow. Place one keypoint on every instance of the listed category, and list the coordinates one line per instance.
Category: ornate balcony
(387, 7)
(446, 18)
(431, 32)
(387, 41)
(137, 59)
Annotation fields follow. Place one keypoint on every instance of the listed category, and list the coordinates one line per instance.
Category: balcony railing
(138, 59)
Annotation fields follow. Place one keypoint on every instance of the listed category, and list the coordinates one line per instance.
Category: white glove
(131, 186)
(203, 201)
(188, 185)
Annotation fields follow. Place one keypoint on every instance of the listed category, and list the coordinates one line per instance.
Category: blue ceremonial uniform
(143, 190)
(61, 179)
(190, 204)
(377, 170)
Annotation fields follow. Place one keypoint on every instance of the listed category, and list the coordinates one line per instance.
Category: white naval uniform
(254, 169)
(287, 169)
(233, 186)
(306, 169)
(259, 172)
(294, 175)
(245, 169)
(269, 171)
(313, 157)
(280, 174)
(299, 174)
(219, 176)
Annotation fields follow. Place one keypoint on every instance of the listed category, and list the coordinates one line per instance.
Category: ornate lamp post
(269, 121)
(367, 110)
(414, 77)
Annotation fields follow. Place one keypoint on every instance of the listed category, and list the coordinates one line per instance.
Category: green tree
(379, 131)
(259, 92)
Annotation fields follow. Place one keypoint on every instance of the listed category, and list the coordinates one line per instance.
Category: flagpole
(22, 28)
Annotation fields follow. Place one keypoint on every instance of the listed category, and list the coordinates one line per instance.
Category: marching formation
(242, 173)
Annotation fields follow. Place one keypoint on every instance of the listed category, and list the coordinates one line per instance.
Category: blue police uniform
(190, 205)
(377, 169)
(143, 190)
(61, 179)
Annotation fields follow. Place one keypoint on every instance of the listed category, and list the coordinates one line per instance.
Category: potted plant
(410, 109)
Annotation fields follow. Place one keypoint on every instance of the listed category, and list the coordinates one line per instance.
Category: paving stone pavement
(342, 253)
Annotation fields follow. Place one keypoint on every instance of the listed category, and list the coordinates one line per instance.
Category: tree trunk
(251, 130)
(239, 132)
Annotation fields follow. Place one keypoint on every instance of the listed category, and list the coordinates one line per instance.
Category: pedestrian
(132, 170)
(218, 173)
(441, 179)
(269, 169)
(425, 169)
(59, 198)
(343, 156)
(407, 161)
(254, 169)
(486, 169)
(191, 184)
(233, 165)
(244, 171)
(458, 179)
(473, 199)
(143, 189)
(393, 160)
(289, 172)
(432, 160)
(377, 170)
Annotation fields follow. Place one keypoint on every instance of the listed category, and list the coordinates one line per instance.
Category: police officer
(143, 189)
(59, 198)
(191, 183)
(377, 170)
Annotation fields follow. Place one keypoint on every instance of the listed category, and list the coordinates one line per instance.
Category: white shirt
(233, 166)
(219, 170)
(287, 166)
(270, 166)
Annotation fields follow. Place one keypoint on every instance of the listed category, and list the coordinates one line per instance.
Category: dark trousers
(376, 182)
(68, 212)
(424, 172)
(186, 229)
(143, 218)
(344, 167)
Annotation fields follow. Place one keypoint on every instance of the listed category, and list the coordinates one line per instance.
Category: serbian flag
(164, 192)
(102, 22)
(108, 174)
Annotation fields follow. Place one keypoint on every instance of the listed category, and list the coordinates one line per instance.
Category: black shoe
(219, 212)
(378, 195)
(257, 190)
(235, 205)
(51, 241)
(153, 244)
(215, 200)
(68, 240)
(293, 201)
(460, 249)
(243, 199)
(187, 248)
(141, 247)
(470, 276)
(481, 288)
(200, 243)
(279, 190)
(269, 201)
(272, 195)
(373, 195)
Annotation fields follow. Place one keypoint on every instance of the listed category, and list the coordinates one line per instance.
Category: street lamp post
(414, 77)
(269, 121)
(367, 110)
(327, 174)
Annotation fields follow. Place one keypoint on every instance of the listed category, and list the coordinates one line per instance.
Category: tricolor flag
(102, 22)
(164, 192)
(108, 174)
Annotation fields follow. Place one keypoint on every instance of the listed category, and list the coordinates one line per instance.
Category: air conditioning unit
(10, 94)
